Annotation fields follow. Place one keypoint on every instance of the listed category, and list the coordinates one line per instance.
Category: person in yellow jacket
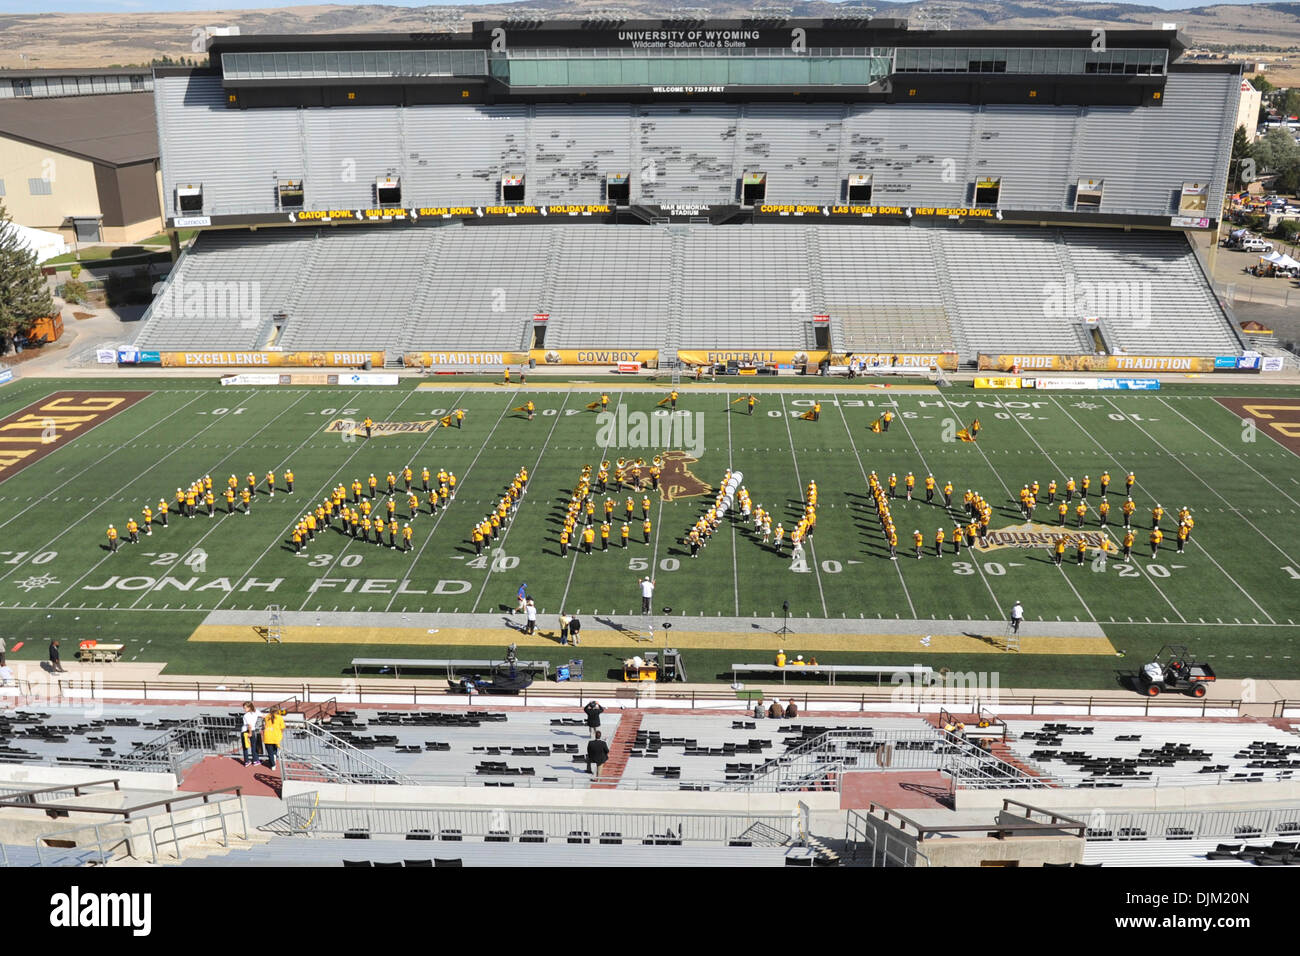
(372, 483)
(406, 537)
(780, 657)
(112, 539)
(246, 498)
(1156, 537)
(919, 540)
(1080, 513)
(588, 536)
(1128, 543)
(1103, 513)
(460, 417)
(270, 483)
(938, 543)
(272, 733)
(1061, 510)
(147, 513)
(162, 511)
(1080, 549)
(288, 480)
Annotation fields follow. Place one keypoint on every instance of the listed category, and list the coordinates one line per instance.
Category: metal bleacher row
(992, 289)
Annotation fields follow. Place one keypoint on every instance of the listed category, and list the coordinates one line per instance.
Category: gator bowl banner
(1096, 363)
(270, 359)
(648, 358)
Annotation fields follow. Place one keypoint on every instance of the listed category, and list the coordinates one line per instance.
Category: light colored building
(1248, 110)
(79, 159)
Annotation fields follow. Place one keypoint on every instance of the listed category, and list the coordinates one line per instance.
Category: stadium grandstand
(720, 185)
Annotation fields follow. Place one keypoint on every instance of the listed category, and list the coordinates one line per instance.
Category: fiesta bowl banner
(867, 360)
(445, 359)
(646, 357)
(1096, 363)
(270, 359)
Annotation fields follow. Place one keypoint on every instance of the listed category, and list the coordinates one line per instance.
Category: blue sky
(146, 6)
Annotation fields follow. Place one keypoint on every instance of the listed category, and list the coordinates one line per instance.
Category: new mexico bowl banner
(271, 359)
(943, 360)
(646, 357)
(1096, 363)
(497, 360)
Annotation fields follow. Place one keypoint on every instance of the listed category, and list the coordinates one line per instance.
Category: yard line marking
(442, 514)
(1227, 449)
(1204, 549)
(191, 548)
(794, 457)
(348, 540)
(1104, 451)
(735, 573)
(203, 537)
(100, 461)
(862, 468)
(577, 548)
(558, 415)
(970, 552)
(315, 495)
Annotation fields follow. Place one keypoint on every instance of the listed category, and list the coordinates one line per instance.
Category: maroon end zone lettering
(31, 433)
(1279, 418)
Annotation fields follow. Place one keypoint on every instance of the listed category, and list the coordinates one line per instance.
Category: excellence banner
(270, 359)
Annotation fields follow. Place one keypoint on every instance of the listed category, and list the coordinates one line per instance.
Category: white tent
(46, 245)
(1281, 260)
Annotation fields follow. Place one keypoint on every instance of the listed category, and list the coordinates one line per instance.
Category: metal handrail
(437, 692)
(220, 816)
(19, 796)
(104, 853)
(333, 757)
(439, 822)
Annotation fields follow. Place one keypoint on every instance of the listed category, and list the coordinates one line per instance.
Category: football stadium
(845, 411)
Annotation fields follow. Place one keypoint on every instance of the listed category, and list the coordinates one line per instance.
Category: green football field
(1234, 596)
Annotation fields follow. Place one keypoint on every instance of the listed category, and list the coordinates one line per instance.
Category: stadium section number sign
(31, 433)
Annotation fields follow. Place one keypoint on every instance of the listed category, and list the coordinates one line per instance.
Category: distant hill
(89, 40)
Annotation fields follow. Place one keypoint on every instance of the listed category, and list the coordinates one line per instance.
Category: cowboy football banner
(649, 358)
(866, 360)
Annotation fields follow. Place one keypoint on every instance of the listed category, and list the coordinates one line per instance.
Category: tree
(1242, 171)
(1291, 103)
(26, 295)
(1261, 84)
(1276, 150)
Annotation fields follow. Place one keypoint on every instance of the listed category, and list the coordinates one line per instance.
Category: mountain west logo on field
(675, 477)
(1034, 535)
(346, 426)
